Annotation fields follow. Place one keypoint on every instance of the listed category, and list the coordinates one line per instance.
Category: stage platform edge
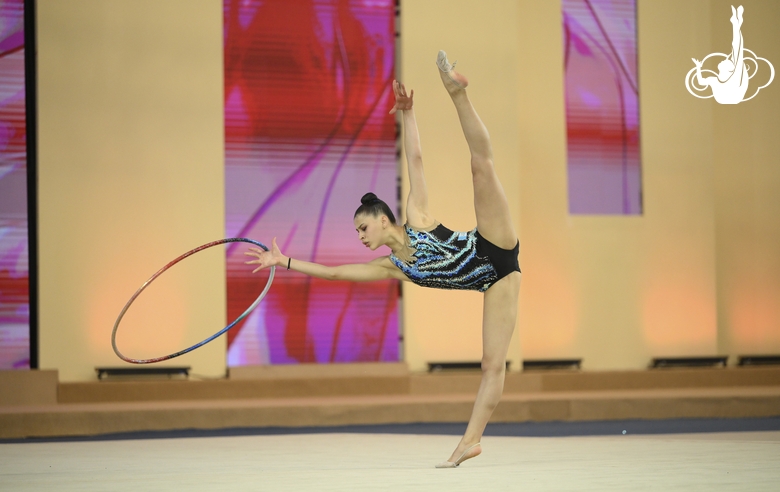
(363, 395)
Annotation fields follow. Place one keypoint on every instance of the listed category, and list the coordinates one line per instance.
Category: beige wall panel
(551, 302)
(747, 179)
(613, 290)
(130, 176)
(445, 325)
(677, 312)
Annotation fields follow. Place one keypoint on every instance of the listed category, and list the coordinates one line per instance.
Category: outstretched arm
(701, 80)
(361, 272)
(417, 204)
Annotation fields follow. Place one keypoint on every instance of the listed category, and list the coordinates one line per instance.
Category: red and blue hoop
(212, 337)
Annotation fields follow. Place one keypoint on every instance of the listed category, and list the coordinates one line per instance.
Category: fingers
(254, 262)
(259, 250)
(256, 253)
(399, 89)
(250, 262)
(262, 258)
(401, 98)
(404, 94)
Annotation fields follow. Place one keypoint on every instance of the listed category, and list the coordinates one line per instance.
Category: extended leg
(494, 221)
(736, 34)
(499, 317)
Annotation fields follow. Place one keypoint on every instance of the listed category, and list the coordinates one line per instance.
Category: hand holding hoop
(212, 337)
(266, 258)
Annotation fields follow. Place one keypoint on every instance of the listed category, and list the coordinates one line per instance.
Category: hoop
(212, 337)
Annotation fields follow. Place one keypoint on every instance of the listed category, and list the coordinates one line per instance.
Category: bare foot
(462, 453)
(453, 81)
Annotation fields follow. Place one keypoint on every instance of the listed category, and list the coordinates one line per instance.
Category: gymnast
(425, 252)
(731, 84)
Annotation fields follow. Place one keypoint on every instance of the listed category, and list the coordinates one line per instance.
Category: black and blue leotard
(445, 259)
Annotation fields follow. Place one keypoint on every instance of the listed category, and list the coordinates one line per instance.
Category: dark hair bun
(373, 206)
(368, 199)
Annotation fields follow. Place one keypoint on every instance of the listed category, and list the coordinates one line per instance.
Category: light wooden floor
(366, 462)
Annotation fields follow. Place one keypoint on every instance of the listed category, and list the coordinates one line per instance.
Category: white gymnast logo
(730, 84)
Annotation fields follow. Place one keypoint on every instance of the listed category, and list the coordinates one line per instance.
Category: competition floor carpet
(685, 454)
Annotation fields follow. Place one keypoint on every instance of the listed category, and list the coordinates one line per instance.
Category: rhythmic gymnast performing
(425, 252)
(731, 84)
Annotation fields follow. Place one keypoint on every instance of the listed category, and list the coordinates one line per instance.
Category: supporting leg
(499, 317)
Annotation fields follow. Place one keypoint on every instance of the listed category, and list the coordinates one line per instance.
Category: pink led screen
(307, 92)
(14, 274)
(602, 107)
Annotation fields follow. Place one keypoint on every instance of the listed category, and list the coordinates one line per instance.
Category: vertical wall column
(747, 180)
(131, 174)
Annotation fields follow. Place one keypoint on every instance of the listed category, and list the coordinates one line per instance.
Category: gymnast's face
(370, 230)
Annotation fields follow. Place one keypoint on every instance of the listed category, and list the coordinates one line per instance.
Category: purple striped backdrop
(307, 92)
(602, 107)
(14, 273)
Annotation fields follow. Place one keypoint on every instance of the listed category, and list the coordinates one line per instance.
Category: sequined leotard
(447, 260)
